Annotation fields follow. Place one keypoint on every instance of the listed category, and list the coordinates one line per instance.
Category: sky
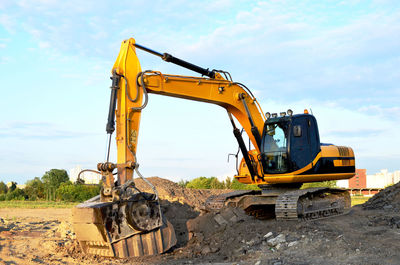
(340, 59)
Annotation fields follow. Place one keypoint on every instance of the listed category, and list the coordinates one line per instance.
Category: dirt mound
(388, 199)
(172, 192)
(178, 204)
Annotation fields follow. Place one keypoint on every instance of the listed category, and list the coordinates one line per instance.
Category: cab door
(300, 148)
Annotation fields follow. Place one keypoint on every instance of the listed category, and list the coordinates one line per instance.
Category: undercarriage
(285, 202)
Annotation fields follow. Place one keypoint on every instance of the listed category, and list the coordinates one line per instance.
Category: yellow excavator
(126, 222)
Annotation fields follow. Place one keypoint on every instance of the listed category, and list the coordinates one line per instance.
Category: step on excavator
(126, 222)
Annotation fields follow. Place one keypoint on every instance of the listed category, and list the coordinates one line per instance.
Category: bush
(16, 194)
(76, 192)
(214, 183)
(183, 183)
(205, 183)
(328, 183)
(3, 188)
(236, 185)
(34, 189)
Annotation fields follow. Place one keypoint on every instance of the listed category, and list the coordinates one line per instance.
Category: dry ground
(369, 234)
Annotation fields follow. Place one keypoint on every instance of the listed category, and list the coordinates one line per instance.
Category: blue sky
(341, 59)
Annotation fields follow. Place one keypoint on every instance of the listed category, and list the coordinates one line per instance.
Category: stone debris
(293, 243)
(268, 235)
(220, 220)
(273, 242)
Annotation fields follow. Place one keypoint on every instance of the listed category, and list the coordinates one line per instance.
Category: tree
(52, 180)
(183, 183)
(236, 185)
(34, 189)
(55, 177)
(12, 187)
(216, 184)
(328, 183)
(228, 183)
(3, 188)
(199, 183)
(76, 192)
(16, 194)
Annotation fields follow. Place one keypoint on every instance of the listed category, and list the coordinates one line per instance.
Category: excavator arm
(132, 96)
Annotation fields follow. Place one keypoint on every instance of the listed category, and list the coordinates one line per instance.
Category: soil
(369, 234)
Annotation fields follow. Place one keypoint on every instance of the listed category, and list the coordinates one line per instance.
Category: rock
(234, 219)
(267, 235)
(294, 243)
(220, 220)
(276, 240)
(253, 242)
(206, 250)
(388, 207)
(214, 249)
(199, 237)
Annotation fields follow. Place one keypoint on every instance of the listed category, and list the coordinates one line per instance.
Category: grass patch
(355, 200)
(36, 204)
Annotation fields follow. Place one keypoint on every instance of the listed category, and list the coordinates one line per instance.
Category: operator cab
(289, 142)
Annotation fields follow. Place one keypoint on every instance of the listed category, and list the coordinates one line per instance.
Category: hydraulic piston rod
(169, 58)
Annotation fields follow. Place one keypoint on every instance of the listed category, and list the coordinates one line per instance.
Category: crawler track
(307, 204)
(311, 204)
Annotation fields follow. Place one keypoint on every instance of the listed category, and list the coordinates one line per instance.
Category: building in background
(88, 177)
(363, 184)
(359, 181)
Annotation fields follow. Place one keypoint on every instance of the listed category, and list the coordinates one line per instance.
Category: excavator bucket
(118, 229)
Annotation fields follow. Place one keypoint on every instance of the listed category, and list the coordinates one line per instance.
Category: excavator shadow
(178, 214)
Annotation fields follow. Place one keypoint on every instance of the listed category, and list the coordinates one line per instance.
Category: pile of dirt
(178, 204)
(388, 199)
(170, 191)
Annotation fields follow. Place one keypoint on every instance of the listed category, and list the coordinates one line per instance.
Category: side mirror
(297, 131)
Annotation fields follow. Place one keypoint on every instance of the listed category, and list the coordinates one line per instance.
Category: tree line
(234, 184)
(54, 185)
(214, 183)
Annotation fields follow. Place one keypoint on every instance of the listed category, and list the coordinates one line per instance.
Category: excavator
(124, 221)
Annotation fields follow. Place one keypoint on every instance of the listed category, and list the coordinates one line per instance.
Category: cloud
(8, 22)
(38, 130)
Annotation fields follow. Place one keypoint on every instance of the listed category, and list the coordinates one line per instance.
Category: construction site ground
(369, 234)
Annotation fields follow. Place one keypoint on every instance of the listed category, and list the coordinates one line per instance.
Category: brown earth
(369, 234)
